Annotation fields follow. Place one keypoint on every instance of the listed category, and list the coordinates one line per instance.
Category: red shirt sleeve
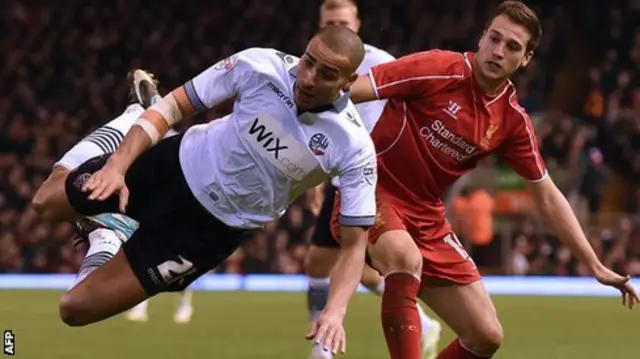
(521, 150)
(417, 75)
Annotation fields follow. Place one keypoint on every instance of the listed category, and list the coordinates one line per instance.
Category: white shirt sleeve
(358, 178)
(224, 80)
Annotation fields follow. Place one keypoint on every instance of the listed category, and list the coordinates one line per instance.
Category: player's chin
(495, 74)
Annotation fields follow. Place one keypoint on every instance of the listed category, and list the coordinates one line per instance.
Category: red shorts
(444, 257)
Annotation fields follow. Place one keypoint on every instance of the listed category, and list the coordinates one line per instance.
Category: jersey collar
(336, 106)
(486, 99)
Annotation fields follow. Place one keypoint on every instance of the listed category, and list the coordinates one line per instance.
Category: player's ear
(357, 25)
(350, 81)
(527, 58)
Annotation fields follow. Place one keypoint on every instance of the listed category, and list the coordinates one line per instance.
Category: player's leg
(180, 241)
(394, 254)
(185, 307)
(103, 241)
(468, 310)
(452, 287)
(431, 328)
(105, 292)
(50, 200)
(104, 233)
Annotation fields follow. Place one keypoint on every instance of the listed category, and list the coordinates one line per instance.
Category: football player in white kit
(324, 249)
(105, 233)
(197, 196)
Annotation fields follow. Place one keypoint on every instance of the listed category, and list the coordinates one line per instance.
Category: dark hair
(522, 15)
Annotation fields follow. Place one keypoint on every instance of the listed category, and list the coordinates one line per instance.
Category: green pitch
(272, 325)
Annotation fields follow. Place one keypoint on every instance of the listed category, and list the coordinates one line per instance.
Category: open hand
(328, 331)
(106, 182)
(608, 277)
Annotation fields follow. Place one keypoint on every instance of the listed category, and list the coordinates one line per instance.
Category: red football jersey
(438, 124)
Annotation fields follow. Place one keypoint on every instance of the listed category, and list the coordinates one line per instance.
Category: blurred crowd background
(63, 68)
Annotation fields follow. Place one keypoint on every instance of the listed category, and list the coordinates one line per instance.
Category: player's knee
(318, 262)
(486, 341)
(42, 204)
(396, 251)
(409, 261)
(73, 310)
(45, 202)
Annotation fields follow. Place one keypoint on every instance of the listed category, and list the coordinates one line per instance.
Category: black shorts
(178, 240)
(322, 236)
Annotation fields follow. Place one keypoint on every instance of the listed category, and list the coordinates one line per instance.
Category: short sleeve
(225, 79)
(521, 150)
(358, 178)
(416, 75)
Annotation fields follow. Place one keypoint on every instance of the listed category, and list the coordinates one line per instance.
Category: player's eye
(307, 62)
(514, 47)
(328, 75)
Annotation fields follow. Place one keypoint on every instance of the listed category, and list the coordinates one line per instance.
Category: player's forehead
(319, 53)
(511, 31)
(337, 16)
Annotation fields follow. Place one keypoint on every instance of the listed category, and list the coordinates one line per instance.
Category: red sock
(400, 318)
(455, 350)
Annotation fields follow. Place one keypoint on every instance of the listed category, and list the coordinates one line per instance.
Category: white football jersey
(369, 111)
(248, 167)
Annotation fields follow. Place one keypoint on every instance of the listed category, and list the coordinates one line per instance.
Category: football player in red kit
(445, 112)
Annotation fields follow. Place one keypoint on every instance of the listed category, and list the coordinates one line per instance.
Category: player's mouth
(304, 95)
(494, 66)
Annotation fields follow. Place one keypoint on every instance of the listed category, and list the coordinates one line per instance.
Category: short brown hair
(522, 15)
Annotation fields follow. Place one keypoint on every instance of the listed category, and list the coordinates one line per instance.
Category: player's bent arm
(152, 125)
(558, 214)
(347, 270)
(219, 82)
(362, 90)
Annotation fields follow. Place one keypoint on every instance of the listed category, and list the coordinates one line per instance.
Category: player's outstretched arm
(153, 125)
(328, 330)
(557, 212)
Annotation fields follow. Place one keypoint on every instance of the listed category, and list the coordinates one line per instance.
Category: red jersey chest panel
(456, 130)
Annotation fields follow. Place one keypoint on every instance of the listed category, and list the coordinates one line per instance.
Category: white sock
(185, 298)
(425, 320)
(104, 140)
(380, 288)
(317, 296)
(141, 307)
(103, 245)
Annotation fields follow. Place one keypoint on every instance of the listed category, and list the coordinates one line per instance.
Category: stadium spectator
(62, 73)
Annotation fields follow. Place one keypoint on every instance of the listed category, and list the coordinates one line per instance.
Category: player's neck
(489, 87)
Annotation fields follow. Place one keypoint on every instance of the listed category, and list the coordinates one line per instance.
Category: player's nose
(498, 51)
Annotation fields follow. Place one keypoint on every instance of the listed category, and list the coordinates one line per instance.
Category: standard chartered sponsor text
(447, 142)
